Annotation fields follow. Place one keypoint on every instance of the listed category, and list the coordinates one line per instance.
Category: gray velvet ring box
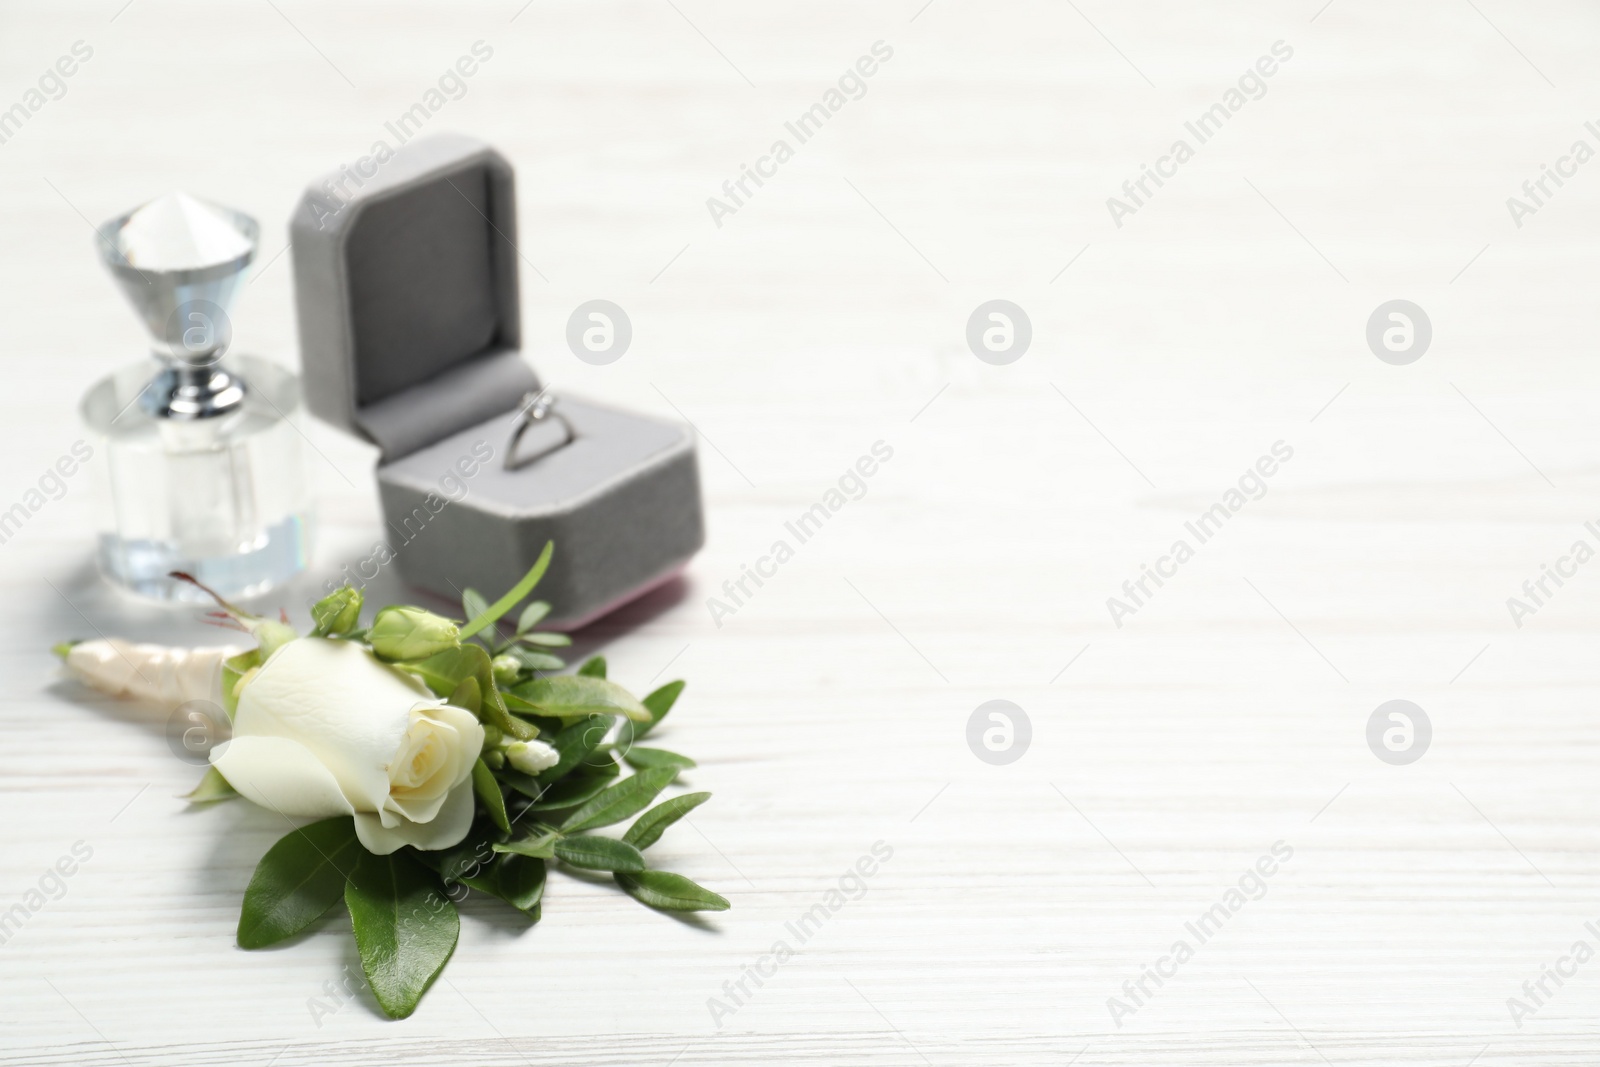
(407, 299)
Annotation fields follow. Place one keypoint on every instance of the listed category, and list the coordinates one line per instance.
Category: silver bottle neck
(187, 392)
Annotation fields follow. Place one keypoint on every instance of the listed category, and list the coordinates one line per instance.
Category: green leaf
(520, 880)
(593, 667)
(659, 703)
(526, 784)
(599, 854)
(568, 696)
(213, 787)
(233, 669)
(535, 661)
(537, 846)
(621, 800)
(648, 828)
(670, 892)
(492, 614)
(488, 790)
(475, 864)
(575, 789)
(444, 671)
(548, 640)
(517, 880)
(467, 696)
(473, 604)
(517, 704)
(532, 615)
(405, 927)
(646, 758)
(573, 745)
(299, 879)
(467, 862)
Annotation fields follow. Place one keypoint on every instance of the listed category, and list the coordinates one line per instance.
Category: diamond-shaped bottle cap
(180, 261)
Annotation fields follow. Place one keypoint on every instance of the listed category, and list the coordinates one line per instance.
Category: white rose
(324, 728)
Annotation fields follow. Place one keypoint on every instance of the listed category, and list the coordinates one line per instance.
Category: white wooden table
(830, 711)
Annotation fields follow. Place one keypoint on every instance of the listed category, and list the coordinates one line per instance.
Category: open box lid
(406, 293)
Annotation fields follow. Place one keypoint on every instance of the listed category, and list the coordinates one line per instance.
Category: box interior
(408, 298)
(421, 265)
(607, 445)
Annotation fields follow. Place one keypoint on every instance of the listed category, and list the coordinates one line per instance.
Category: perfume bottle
(201, 467)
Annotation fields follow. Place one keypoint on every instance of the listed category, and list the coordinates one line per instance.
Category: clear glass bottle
(201, 469)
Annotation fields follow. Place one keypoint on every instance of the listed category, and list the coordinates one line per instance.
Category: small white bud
(531, 757)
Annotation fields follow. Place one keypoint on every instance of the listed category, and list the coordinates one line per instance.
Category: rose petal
(446, 829)
(281, 775)
(341, 703)
(459, 738)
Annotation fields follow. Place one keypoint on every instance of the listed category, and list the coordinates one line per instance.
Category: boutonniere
(437, 757)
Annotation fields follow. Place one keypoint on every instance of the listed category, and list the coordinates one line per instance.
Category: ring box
(406, 296)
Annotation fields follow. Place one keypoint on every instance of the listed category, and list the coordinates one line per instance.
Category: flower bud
(403, 633)
(492, 737)
(337, 613)
(271, 636)
(531, 757)
(506, 670)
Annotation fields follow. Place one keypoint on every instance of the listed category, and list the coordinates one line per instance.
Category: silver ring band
(537, 409)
